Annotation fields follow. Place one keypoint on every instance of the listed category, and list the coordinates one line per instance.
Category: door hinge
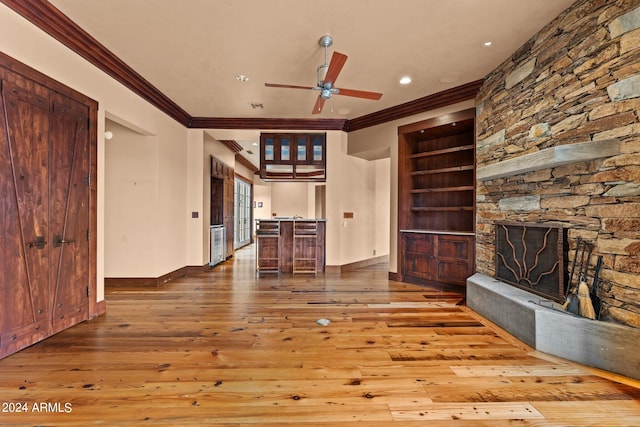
(88, 235)
(88, 291)
(89, 179)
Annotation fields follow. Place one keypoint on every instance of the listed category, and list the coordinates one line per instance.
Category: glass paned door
(242, 213)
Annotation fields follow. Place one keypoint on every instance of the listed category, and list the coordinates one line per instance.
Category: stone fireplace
(558, 141)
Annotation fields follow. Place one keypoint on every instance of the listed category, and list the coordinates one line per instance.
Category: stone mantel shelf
(550, 158)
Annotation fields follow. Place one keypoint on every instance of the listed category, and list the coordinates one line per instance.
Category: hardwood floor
(227, 349)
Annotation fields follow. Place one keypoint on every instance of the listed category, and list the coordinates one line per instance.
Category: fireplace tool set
(582, 299)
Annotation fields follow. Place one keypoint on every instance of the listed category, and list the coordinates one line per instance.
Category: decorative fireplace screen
(532, 256)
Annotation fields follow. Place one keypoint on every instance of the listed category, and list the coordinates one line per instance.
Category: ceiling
(192, 50)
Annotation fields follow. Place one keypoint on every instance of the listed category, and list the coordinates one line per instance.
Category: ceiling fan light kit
(327, 75)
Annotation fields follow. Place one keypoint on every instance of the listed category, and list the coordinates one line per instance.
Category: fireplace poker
(595, 288)
(576, 298)
(573, 265)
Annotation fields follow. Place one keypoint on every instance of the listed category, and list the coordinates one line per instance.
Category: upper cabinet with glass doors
(295, 156)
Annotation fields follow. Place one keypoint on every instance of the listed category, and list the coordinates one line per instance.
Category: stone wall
(577, 80)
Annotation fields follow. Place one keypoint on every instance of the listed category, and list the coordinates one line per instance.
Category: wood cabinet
(47, 204)
(436, 198)
(222, 200)
(293, 156)
(443, 258)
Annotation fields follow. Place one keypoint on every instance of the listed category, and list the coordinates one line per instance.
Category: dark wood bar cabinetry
(222, 201)
(436, 200)
(290, 245)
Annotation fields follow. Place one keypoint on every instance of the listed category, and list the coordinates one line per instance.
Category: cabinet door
(419, 256)
(455, 258)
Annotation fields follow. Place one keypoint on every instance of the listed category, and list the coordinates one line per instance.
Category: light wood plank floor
(227, 349)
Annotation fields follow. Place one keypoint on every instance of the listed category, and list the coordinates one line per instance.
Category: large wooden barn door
(25, 215)
(45, 213)
(69, 212)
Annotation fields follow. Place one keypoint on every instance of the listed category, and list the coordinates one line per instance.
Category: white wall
(350, 188)
(131, 162)
(290, 199)
(261, 194)
(382, 212)
(198, 195)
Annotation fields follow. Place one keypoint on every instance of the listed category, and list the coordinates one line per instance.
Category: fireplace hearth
(544, 326)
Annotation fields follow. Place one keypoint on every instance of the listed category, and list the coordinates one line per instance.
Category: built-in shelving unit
(436, 199)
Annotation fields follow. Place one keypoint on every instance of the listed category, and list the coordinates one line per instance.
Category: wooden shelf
(442, 189)
(442, 151)
(550, 158)
(442, 170)
(441, 208)
(447, 232)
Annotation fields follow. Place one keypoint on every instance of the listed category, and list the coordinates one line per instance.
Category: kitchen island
(290, 245)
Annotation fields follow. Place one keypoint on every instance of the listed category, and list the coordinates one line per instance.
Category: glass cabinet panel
(318, 150)
(302, 149)
(285, 152)
(269, 149)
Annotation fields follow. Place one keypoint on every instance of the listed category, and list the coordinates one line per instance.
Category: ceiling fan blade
(335, 66)
(288, 86)
(359, 93)
(317, 108)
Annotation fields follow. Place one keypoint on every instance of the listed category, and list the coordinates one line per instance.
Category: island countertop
(290, 218)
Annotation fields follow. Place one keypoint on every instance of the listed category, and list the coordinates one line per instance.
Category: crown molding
(232, 145)
(52, 21)
(417, 106)
(266, 123)
(246, 163)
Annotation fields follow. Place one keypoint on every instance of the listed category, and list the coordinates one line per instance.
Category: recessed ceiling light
(242, 78)
(405, 80)
(488, 44)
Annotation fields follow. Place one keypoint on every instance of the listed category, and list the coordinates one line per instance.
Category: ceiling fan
(327, 75)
